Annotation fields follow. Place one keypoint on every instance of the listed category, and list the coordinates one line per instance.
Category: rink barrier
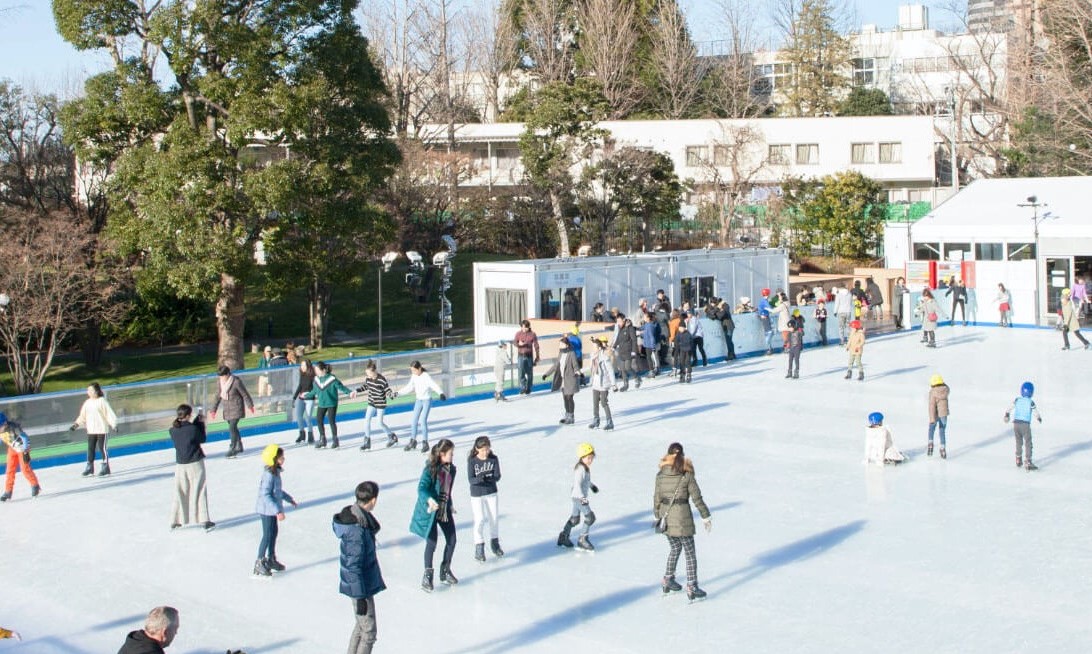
(465, 372)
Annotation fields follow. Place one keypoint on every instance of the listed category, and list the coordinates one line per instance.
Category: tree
(675, 73)
(843, 212)
(493, 53)
(183, 190)
(817, 54)
(728, 86)
(49, 292)
(608, 51)
(37, 169)
(559, 130)
(545, 37)
(738, 158)
(863, 101)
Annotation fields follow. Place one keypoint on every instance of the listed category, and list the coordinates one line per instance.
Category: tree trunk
(562, 231)
(91, 343)
(230, 317)
(318, 306)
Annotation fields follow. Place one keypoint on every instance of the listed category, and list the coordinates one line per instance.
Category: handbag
(1004, 306)
(932, 317)
(660, 526)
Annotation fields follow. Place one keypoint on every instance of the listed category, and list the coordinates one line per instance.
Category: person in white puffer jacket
(98, 417)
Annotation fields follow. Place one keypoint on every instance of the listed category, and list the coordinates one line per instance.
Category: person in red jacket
(18, 457)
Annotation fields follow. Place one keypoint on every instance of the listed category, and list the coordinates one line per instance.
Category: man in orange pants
(18, 457)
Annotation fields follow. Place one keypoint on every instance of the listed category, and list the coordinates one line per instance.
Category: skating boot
(562, 538)
(796, 375)
(1019, 462)
(625, 386)
(7, 496)
(392, 440)
(479, 552)
(261, 569)
(609, 426)
(367, 444)
(860, 376)
(670, 585)
(693, 593)
(594, 424)
(494, 545)
(321, 442)
(585, 544)
(849, 374)
(209, 526)
(104, 471)
(411, 445)
(446, 575)
(88, 471)
(943, 452)
(274, 565)
(496, 396)
(334, 443)
(302, 437)
(34, 490)
(688, 377)
(1029, 466)
(929, 449)
(788, 375)
(230, 453)
(424, 446)
(636, 382)
(426, 581)
(310, 436)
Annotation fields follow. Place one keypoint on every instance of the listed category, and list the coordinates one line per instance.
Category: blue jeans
(768, 337)
(266, 549)
(371, 412)
(420, 416)
(526, 372)
(943, 422)
(303, 414)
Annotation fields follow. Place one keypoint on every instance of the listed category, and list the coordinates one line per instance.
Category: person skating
(326, 390)
(697, 331)
(855, 346)
(897, 295)
(304, 407)
(483, 473)
(421, 385)
(684, 348)
(191, 503)
(875, 298)
(959, 300)
(796, 346)
(602, 381)
(675, 488)
(566, 378)
(1070, 321)
(650, 344)
(18, 444)
(527, 355)
(378, 392)
(232, 393)
(99, 418)
(434, 511)
(270, 510)
(821, 320)
(360, 578)
(843, 311)
(501, 360)
(928, 310)
(764, 308)
(938, 413)
(723, 314)
(582, 483)
(1021, 412)
(880, 443)
(1004, 305)
(625, 351)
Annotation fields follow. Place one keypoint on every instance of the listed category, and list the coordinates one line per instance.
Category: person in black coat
(361, 579)
(684, 347)
(191, 504)
(625, 352)
(159, 631)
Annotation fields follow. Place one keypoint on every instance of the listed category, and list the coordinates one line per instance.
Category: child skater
(821, 320)
(18, 457)
(796, 346)
(326, 388)
(879, 444)
(938, 413)
(581, 485)
(484, 473)
(434, 510)
(855, 347)
(501, 361)
(1021, 412)
(270, 508)
(379, 391)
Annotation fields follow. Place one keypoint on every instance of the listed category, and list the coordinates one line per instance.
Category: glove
(594, 488)
(73, 427)
(544, 378)
(361, 606)
(708, 522)
(394, 395)
(1006, 417)
(443, 397)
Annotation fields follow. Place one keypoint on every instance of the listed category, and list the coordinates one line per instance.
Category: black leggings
(1075, 332)
(448, 527)
(96, 442)
(322, 412)
(236, 437)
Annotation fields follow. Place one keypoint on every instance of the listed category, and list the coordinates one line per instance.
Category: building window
(957, 251)
(561, 303)
(780, 153)
(1021, 251)
(807, 153)
(891, 153)
(863, 153)
(864, 71)
(927, 251)
(696, 155)
(505, 306)
(697, 291)
(722, 155)
(989, 251)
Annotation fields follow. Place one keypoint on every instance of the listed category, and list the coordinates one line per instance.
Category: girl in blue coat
(434, 510)
(270, 508)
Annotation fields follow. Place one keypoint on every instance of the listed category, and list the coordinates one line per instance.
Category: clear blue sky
(32, 54)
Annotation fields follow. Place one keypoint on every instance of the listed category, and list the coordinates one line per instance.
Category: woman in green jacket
(326, 388)
(434, 510)
(675, 489)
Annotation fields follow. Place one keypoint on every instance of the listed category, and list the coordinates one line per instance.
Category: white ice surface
(811, 551)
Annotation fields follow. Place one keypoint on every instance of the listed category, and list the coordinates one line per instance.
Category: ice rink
(811, 551)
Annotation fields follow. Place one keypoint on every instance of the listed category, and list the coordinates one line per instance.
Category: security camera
(440, 258)
(414, 258)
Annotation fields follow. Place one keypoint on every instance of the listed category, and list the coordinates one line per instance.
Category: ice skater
(378, 392)
(855, 346)
(422, 387)
(501, 360)
(270, 510)
(1071, 322)
(879, 442)
(928, 309)
(434, 511)
(232, 393)
(361, 578)
(326, 389)
(98, 416)
(191, 503)
(566, 378)
(675, 488)
(18, 444)
(938, 413)
(582, 483)
(821, 320)
(684, 350)
(483, 472)
(303, 407)
(796, 346)
(602, 382)
(1021, 412)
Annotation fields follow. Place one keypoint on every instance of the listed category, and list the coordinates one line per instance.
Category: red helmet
(765, 292)
(856, 324)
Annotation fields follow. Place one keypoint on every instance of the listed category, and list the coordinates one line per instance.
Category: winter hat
(936, 380)
(584, 449)
(765, 292)
(270, 454)
(820, 301)
(744, 300)
(856, 324)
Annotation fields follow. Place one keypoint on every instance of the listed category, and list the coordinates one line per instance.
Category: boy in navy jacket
(361, 579)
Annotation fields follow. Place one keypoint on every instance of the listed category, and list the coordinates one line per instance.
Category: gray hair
(160, 619)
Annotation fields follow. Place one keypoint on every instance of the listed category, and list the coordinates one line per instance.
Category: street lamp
(951, 92)
(442, 261)
(1034, 203)
(388, 260)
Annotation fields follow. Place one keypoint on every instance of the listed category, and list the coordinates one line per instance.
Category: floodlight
(440, 258)
(583, 251)
(414, 258)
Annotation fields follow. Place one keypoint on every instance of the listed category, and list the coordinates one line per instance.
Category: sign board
(561, 279)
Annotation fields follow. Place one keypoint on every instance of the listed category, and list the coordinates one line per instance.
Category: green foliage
(156, 317)
(559, 126)
(818, 55)
(842, 213)
(863, 101)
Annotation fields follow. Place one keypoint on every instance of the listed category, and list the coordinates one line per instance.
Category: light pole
(952, 132)
(387, 260)
(1034, 203)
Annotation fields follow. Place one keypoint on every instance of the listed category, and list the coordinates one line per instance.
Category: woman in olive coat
(676, 488)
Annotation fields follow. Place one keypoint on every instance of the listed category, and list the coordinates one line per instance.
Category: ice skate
(860, 376)
(334, 443)
(609, 426)
(929, 449)
(34, 490)
(321, 442)
(210, 525)
(563, 539)
(310, 437)
(367, 444)
(7, 496)
(1029, 466)
(261, 569)
(494, 545)
(636, 382)
(302, 437)
(1019, 462)
(88, 471)
(447, 576)
(104, 471)
(274, 565)
(796, 375)
(392, 440)
(479, 552)
(943, 453)
(849, 374)
(410, 446)
(594, 424)
(670, 585)
(424, 446)
(426, 581)
(583, 543)
(693, 593)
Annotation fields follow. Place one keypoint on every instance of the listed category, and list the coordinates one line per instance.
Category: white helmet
(744, 300)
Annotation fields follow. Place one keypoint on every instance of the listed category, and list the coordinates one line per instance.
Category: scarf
(225, 386)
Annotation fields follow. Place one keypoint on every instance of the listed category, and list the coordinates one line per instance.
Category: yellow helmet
(936, 380)
(584, 449)
(1066, 292)
(270, 454)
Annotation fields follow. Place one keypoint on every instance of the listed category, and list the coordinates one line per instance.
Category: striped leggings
(683, 543)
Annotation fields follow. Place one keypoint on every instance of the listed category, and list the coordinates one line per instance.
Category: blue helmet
(1027, 389)
(875, 418)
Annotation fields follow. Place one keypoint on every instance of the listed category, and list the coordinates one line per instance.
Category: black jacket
(306, 383)
(187, 441)
(483, 475)
(684, 341)
(625, 345)
(138, 642)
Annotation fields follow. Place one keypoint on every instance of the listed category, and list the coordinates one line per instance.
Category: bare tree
(399, 47)
(608, 51)
(737, 159)
(674, 63)
(492, 39)
(730, 77)
(546, 36)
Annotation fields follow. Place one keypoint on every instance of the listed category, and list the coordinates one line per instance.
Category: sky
(34, 55)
